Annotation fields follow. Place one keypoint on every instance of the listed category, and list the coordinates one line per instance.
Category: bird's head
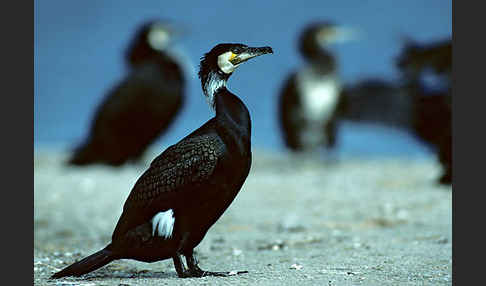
(319, 35)
(151, 38)
(219, 63)
(225, 58)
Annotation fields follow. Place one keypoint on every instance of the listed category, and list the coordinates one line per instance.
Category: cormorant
(140, 108)
(309, 97)
(427, 72)
(189, 186)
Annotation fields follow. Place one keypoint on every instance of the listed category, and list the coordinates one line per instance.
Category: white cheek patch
(158, 39)
(224, 64)
(163, 224)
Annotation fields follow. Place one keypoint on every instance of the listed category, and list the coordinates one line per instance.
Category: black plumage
(139, 109)
(431, 100)
(420, 104)
(376, 101)
(309, 97)
(191, 183)
(432, 123)
(416, 58)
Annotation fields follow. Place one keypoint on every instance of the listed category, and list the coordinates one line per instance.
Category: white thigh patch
(163, 224)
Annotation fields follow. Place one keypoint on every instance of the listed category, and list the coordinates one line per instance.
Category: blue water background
(79, 45)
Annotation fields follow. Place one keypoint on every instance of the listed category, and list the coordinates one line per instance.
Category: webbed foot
(193, 269)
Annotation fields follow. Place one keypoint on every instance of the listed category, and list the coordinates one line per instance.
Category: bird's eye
(237, 50)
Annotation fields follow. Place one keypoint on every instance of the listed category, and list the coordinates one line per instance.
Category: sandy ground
(295, 222)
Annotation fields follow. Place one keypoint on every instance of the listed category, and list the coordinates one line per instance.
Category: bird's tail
(87, 264)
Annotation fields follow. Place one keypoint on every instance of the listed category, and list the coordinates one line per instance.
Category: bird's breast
(318, 95)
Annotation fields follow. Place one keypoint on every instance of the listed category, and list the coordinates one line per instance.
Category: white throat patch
(319, 94)
(224, 63)
(212, 84)
(163, 224)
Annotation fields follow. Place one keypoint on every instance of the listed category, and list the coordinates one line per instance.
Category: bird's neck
(233, 120)
(318, 58)
(211, 83)
(232, 116)
(230, 106)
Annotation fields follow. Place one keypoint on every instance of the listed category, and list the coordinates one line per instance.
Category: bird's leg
(195, 271)
(181, 270)
(330, 131)
(179, 266)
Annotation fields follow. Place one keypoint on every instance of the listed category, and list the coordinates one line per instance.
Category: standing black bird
(189, 186)
(427, 73)
(309, 97)
(140, 108)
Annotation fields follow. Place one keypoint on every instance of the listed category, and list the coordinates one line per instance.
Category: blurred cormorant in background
(309, 97)
(140, 108)
(190, 185)
(427, 74)
(421, 103)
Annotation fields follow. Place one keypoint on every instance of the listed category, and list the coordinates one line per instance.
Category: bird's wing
(135, 95)
(134, 113)
(288, 116)
(170, 178)
(288, 99)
